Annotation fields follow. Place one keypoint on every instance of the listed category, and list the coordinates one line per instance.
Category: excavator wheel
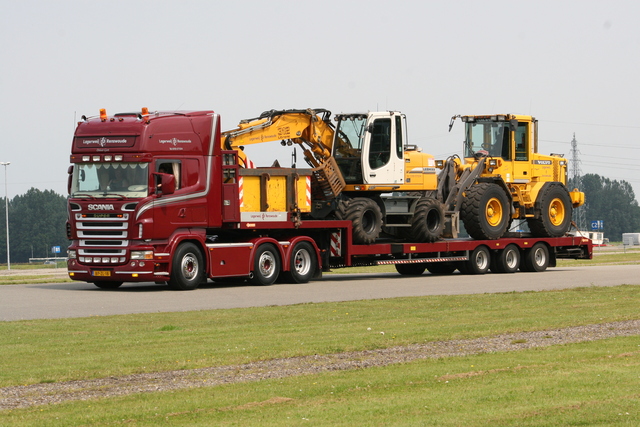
(485, 211)
(555, 212)
(366, 217)
(428, 221)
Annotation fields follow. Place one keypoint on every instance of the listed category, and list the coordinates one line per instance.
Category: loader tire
(366, 217)
(485, 211)
(428, 221)
(556, 209)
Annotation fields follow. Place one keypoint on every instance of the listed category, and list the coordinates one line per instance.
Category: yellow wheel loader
(503, 177)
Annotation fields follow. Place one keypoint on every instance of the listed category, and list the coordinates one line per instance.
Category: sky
(574, 65)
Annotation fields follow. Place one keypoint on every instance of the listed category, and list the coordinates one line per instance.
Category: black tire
(266, 265)
(478, 263)
(410, 269)
(428, 221)
(441, 268)
(506, 260)
(555, 210)
(108, 285)
(485, 211)
(302, 263)
(536, 258)
(366, 217)
(187, 268)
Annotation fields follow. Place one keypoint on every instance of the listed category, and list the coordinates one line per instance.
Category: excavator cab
(369, 148)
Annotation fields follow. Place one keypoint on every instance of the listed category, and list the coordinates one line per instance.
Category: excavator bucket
(328, 181)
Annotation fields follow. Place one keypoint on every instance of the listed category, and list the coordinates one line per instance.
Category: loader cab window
(380, 149)
(172, 167)
(522, 142)
(488, 137)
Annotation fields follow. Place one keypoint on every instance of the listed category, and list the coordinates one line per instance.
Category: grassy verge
(592, 383)
(37, 351)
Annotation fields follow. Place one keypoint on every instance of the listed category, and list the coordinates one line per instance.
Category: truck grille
(102, 237)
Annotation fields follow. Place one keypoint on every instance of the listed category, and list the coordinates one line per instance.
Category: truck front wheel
(187, 268)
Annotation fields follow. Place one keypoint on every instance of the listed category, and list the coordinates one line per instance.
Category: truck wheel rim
(302, 262)
(493, 212)
(511, 259)
(267, 264)
(539, 257)
(482, 260)
(189, 266)
(556, 212)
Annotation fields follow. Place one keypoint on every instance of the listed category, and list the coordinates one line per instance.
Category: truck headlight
(141, 254)
(71, 254)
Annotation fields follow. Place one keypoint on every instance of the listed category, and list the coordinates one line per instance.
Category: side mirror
(70, 173)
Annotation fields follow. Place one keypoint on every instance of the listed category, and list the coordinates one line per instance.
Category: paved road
(45, 301)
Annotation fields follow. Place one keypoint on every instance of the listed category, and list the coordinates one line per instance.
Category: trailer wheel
(536, 258)
(555, 212)
(410, 269)
(187, 268)
(428, 221)
(108, 285)
(506, 260)
(266, 265)
(302, 264)
(485, 211)
(366, 217)
(441, 268)
(478, 263)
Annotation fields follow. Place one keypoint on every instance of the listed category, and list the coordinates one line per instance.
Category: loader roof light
(103, 114)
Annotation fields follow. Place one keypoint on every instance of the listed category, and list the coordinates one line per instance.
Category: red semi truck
(156, 197)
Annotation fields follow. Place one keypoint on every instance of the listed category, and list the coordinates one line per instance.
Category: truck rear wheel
(485, 211)
(266, 265)
(302, 264)
(478, 263)
(555, 212)
(366, 217)
(187, 268)
(428, 221)
(411, 269)
(506, 260)
(536, 258)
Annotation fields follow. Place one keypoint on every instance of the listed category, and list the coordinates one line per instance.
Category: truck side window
(522, 154)
(380, 149)
(172, 167)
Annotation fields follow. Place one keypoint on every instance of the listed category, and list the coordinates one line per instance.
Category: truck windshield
(489, 136)
(109, 179)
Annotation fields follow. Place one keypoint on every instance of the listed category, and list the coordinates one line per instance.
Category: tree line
(37, 218)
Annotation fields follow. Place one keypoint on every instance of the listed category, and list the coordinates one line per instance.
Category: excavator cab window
(380, 149)
(350, 131)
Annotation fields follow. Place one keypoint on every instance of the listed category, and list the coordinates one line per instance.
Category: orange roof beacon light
(103, 114)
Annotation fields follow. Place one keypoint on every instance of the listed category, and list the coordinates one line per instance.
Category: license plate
(101, 273)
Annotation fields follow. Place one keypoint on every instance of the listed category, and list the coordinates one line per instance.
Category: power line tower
(579, 214)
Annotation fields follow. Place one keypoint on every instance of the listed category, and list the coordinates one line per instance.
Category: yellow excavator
(503, 177)
(364, 170)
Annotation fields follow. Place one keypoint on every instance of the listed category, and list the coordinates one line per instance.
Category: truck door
(382, 157)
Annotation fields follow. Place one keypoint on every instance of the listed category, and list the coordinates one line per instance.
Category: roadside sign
(55, 249)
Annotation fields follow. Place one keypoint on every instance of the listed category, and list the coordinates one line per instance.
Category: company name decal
(101, 207)
(263, 216)
(175, 142)
(104, 141)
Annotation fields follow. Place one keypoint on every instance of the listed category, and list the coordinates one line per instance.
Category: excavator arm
(311, 129)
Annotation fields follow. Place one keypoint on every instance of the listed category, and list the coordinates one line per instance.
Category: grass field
(591, 383)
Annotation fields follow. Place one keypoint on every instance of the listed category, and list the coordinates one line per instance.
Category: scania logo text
(96, 207)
